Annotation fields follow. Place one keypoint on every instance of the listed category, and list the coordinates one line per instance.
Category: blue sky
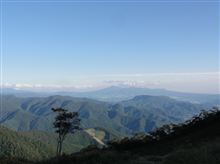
(97, 44)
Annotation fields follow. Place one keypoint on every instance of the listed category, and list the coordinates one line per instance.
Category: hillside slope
(141, 114)
(39, 144)
(195, 141)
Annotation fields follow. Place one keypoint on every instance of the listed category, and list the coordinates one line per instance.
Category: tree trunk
(60, 150)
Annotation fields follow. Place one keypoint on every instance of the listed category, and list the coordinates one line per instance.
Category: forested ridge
(194, 141)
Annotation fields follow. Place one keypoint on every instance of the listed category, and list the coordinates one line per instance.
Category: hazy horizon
(99, 86)
(85, 45)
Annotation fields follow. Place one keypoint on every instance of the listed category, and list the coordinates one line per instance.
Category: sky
(92, 44)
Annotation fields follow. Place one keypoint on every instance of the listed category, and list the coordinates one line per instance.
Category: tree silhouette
(167, 136)
(65, 122)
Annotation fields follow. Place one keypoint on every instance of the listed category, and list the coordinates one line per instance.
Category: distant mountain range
(196, 141)
(140, 114)
(128, 114)
(116, 94)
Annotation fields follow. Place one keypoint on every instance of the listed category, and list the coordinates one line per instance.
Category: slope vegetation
(140, 114)
(39, 144)
(195, 141)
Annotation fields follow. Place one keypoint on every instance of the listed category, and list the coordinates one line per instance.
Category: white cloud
(204, 82)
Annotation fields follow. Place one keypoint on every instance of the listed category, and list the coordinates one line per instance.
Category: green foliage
(65, 122)
(13, 144)
(38, 144)
(195, 141)
(170, 135)
(141, 114)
